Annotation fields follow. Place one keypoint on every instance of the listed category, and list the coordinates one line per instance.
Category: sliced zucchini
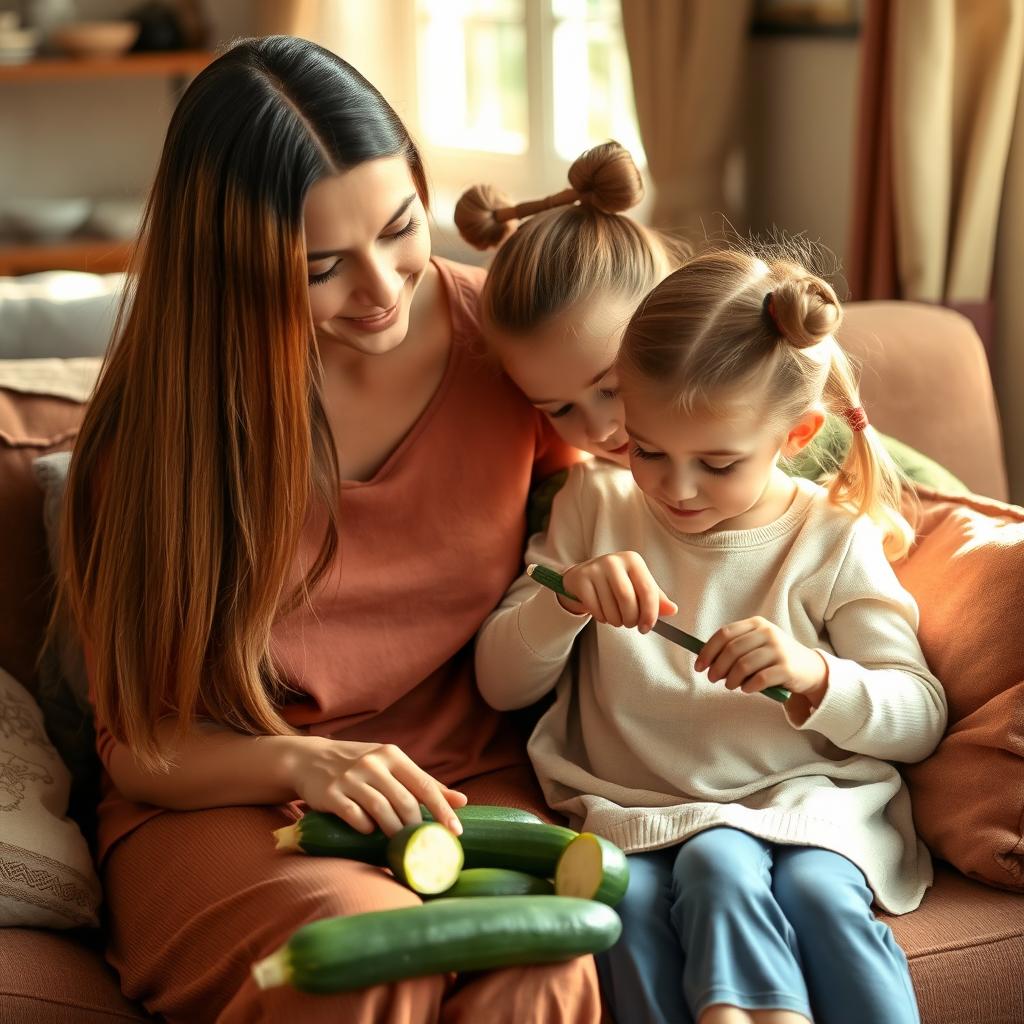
(487, 842)
(425, 857)
(592, 868)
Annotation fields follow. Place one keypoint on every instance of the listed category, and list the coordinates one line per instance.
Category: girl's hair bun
(606, 177)
(474, 217)
(806, 310)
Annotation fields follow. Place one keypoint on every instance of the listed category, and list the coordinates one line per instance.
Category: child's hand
(753, 654)
(618, 590)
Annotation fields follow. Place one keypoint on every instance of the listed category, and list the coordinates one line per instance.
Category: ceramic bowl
(43, 220)
(94, 38)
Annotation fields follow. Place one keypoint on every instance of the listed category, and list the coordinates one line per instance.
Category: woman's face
(566, 368)
(367, 246)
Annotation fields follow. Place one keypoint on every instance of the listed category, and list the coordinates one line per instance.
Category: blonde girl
(760, 833)
(562, 287)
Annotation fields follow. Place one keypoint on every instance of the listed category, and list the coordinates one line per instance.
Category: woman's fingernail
(455, 826)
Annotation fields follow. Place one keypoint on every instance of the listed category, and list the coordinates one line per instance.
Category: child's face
(708, 470)
(566, 368)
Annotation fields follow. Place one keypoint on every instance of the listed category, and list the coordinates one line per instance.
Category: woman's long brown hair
(205, 447)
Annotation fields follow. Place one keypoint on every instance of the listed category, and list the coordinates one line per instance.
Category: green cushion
(825, 454)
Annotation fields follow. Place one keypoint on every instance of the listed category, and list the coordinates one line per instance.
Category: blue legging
(728, 918)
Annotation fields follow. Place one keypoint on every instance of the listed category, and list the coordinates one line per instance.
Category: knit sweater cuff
(845, 708)
(546, 628)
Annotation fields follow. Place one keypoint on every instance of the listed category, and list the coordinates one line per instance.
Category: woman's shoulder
(463, 285)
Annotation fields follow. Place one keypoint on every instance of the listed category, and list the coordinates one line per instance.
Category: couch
(925, 381)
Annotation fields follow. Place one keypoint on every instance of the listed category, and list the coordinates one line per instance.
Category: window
(511, 91)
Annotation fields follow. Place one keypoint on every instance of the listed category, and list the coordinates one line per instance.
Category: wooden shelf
(131, 65)
(97, 255)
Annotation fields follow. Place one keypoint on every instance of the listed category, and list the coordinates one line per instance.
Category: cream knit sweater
(641, 749)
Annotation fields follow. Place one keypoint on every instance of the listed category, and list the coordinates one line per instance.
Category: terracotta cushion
(967, 573)
(30, 425)
(965, 945)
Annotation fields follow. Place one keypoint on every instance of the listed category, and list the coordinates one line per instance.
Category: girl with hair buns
(561, 288)
(759, 831)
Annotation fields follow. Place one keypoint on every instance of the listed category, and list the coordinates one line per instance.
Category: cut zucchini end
(287, 838)
(580, 870)
(427, 858)
(272, 971)
(592, 868)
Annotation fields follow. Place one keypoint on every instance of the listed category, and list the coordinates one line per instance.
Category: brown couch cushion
(966, 571)
(30, 425)
(965, 944)
(947, 407)
(51, 978)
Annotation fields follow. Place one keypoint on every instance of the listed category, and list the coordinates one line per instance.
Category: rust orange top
(428, 547)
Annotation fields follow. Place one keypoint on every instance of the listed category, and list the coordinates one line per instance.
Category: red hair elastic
(769, 308)
(856, 417)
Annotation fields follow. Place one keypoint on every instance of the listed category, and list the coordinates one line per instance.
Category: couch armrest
(925, 380)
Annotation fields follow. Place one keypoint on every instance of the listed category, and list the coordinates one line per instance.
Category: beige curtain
(686, 58)
(936, 189)
(1008, 357)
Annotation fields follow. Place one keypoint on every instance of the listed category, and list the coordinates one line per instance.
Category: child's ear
(803, 432)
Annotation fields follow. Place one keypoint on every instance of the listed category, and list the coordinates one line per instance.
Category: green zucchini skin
(327, 835)
(531, 848)
(489, 812)
(343, 953)
(477, 882)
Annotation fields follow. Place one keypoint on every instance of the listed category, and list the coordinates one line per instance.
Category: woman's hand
(617, 590)
(369, 785)
(753, 654)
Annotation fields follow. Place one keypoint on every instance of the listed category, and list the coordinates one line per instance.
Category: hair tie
(768, 306)
(856, 417)
(532, 206)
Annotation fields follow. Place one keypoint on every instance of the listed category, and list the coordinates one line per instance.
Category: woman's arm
(367, 784)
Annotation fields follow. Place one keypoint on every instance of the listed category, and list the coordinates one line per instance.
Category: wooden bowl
(94, 38)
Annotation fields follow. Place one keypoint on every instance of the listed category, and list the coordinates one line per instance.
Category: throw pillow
(47, 877)
(966, 571)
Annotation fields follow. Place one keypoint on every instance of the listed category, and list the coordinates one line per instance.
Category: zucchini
(592, 868)
(425, 857)
(343, 953)
(327, 835)
(487, 842)
(489, 812)
(533, 848)
(476, 882)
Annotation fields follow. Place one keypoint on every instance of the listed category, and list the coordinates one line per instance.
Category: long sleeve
(881, 699)
(524, 644)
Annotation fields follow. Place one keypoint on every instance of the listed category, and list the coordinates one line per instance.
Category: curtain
(937, 211)
(686, 59)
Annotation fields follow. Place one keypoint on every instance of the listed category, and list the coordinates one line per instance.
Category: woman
(296, 494)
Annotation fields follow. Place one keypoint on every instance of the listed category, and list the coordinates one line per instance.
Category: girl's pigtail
(868, 480)
(604, 177)
(806, 312)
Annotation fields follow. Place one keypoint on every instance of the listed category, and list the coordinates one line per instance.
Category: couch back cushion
(966, 572)
(925, 380)
(30, 425)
